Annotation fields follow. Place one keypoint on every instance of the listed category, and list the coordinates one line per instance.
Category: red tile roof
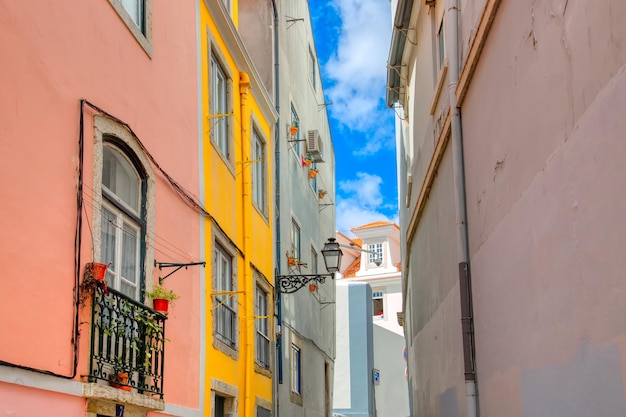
(351, 270)
(375, 224)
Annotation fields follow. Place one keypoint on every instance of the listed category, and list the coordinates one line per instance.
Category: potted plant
(293, 130)
(161, 298)
(120, 376)
(306, 160)
(312, 173)
(322, 193)
(291, 260)
(96, 270)
(93, 278)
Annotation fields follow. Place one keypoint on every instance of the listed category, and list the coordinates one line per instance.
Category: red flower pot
(98, 271)
(120, 379)
(161, 305)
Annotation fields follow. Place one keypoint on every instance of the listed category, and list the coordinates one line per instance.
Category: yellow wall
(228, 199)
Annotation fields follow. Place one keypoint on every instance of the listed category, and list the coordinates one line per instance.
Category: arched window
(122, 219)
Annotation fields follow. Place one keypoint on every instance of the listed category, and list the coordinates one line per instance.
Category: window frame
(259, 171)
(296, 239)
(295, 354)
(314, 260)
(295, 121)
(312, 69)
(108, 132)
(141, 32)
(441, 43)
(262, 333)
(224, 304)
(378, 295)
(378, 248)
(222, 98)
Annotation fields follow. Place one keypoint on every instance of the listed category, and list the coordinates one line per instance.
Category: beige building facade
(510, 158)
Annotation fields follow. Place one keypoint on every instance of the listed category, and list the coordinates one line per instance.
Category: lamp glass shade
(332, 255)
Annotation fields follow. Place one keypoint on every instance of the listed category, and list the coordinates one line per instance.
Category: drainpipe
(244, 85)
(279, 345)
(465, 284)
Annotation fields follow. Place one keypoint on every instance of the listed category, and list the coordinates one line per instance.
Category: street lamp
(288, 284)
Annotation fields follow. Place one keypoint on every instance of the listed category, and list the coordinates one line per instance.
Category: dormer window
(375, 253)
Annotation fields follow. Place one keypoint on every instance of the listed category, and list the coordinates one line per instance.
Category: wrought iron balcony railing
(128, 338)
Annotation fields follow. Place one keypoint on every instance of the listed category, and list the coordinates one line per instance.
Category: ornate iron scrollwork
(288, 284)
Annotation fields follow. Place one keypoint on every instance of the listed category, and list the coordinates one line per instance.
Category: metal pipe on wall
(452, 38)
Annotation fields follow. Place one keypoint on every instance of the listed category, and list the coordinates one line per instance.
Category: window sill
(296, 398)
(224, 347)
(262, 371)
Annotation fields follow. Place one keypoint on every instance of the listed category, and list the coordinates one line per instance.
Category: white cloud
(362, 202)
(356, 70)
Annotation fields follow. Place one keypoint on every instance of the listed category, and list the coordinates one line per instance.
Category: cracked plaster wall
(544, 148)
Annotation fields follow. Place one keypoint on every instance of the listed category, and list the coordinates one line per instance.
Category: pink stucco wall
(54, 54)
(20, 401)
(543, 128)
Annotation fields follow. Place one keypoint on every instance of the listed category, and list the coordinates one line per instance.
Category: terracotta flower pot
(121, 379)
(312, 174)
(293, 130)
(291, 261)
(98, 271)
(312, 287)
(161, 305)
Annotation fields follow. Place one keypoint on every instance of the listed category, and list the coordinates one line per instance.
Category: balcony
(127, 344)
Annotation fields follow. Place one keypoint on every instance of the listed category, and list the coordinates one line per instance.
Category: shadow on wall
(590, 385)
(448, 403)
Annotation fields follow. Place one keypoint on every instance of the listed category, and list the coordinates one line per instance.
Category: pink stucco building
(99, 162)
(511, 156)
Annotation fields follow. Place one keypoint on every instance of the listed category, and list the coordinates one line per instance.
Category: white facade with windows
(373, 258)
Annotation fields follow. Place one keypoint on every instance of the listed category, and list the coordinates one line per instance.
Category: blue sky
(352, 38)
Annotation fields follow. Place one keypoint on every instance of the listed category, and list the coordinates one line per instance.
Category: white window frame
(262, 324)
(259, 166)
(378, 249)
(295, 121)
(225, 304)
(296, 236)
(108, 132)
(295, 355)
(115, 277)
(220, 106)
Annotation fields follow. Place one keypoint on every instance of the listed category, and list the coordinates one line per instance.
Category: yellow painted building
(236, 157)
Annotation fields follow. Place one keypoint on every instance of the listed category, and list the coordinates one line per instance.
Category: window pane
(129, 254)
(258, 167)
(135, 9)
(219, 106)
(107, 237)
(120, 178)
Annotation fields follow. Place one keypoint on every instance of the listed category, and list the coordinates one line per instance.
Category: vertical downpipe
(244, 85)
(465, 284)
(279, 346)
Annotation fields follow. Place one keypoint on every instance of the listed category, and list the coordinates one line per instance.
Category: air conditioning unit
(315, 146)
